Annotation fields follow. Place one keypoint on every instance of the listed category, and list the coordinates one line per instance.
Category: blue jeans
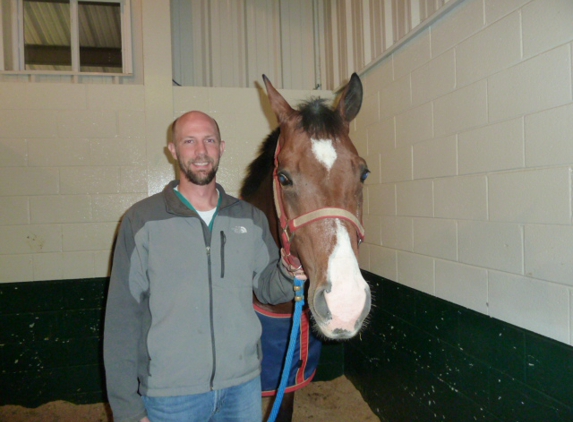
(241, 403)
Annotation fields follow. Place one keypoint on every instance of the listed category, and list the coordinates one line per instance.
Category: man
(181, 339)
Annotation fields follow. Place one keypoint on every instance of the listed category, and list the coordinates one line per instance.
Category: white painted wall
(468, 131)
(74, 157)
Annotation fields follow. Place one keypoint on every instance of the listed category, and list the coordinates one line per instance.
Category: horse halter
(290, 226)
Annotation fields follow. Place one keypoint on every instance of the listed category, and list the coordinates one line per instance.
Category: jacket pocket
(223, 241)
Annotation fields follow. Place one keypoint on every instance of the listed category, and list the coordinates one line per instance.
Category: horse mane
(315, 118)
(261, 166)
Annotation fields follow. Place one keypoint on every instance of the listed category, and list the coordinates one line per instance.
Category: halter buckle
(292, 261)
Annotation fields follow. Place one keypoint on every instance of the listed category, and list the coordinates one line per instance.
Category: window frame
(17, 23)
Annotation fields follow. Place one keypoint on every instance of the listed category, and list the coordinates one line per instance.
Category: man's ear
(222, 147)
(172, 150)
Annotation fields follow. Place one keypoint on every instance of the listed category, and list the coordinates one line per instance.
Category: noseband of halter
(290, 226)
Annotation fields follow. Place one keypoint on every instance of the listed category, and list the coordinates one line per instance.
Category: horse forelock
(319, 120)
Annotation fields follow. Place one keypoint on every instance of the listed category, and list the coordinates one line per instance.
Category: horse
(312, 170)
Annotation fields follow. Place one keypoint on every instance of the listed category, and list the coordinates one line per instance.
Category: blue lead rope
(299, 303)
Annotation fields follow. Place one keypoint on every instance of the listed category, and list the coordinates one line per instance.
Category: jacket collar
(174, 205)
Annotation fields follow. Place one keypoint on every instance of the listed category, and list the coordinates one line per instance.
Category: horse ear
(281, 108)
(351, 99)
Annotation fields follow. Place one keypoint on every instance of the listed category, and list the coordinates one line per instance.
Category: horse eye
(364, 175)
(284, 180)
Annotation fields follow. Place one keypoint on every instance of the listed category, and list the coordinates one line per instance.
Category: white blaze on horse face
(349, 290)
(324, 152)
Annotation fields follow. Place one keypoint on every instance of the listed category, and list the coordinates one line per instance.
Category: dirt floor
(332, 401)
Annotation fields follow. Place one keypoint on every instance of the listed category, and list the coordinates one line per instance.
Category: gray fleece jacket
(179, 317)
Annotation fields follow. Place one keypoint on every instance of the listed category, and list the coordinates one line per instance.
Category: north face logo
(239, 229)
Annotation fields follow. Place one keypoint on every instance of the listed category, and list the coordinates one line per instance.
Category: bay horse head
(318, 188)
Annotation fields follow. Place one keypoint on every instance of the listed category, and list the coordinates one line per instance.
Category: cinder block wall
(468, 131)
(73, 159)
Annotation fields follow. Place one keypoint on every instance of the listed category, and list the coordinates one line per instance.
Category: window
(64, 36)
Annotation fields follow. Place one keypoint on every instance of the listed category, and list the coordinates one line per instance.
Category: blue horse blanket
(276, 334)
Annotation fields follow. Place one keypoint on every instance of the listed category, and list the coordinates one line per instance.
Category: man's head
(197, 146)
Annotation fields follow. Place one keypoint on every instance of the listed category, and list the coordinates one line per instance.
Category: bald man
(181, 338)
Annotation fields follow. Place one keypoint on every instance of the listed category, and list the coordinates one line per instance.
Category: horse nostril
(320, 305)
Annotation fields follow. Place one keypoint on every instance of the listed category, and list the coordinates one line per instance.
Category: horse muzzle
(340, 316)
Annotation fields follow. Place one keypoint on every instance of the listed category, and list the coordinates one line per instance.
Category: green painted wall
(425, 359)
(51, 343)
(420, 358)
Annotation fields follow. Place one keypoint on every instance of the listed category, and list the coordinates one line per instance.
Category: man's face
(197, 147)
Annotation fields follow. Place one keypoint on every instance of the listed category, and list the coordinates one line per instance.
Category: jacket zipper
(213, 351)
(207, 239)
(223, 241)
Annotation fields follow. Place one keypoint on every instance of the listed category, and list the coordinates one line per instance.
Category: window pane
(47, 44)
(100, 37)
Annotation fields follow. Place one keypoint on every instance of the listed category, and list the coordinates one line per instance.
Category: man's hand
(297, 272)
(145, 419)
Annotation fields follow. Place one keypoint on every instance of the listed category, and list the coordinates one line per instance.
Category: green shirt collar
(191, 207)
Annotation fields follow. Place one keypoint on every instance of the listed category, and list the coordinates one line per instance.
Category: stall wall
(73, 158)
(467, 129)
(468, 132)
